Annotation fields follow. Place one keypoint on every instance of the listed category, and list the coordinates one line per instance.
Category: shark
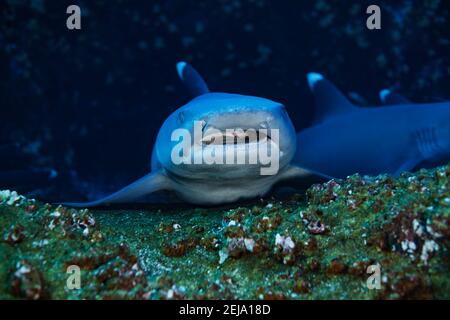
(398, 136)
(217, 183)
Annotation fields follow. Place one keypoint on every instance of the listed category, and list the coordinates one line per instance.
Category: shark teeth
(235, 137)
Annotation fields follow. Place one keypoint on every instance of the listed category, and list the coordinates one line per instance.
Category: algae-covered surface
(319, 245)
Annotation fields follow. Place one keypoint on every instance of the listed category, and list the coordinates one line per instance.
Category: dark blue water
(88, 103)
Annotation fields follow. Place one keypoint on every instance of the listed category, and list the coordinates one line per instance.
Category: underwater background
(87, 104)
(80, 110)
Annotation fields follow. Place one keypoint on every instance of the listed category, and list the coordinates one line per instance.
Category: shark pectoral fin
(303, 178)
(150, 183)
(329, 100)
(192, 80)
(388, 97)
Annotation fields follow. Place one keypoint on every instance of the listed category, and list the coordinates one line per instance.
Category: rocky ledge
(360, 238)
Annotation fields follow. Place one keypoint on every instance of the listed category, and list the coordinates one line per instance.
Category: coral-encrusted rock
(15, 234)
(316, 227)
(11, 198)
(285, 249)
(406, 286)
(179, 248)
(273, 249)
(336, 267)
(27, 282)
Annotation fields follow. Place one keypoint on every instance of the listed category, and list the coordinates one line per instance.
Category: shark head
(226, 136)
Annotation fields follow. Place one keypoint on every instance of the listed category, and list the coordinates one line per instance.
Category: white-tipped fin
(191, 79)
(383, 94)
(329, 100)
(313, 78)
(389, 97)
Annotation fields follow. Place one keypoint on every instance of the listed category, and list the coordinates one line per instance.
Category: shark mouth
(235, 137)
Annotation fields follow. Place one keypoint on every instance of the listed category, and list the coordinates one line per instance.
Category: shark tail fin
(329, 100)
(388, 97)
(191, 79)
(148, 184)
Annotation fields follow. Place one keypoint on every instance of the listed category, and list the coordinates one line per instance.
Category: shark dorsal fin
(329, 100)
(191, 79)
(389, 97)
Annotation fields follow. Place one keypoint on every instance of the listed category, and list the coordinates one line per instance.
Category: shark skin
(346, 139)
(215, 184)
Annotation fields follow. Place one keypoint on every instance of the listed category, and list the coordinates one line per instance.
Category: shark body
(346, 139)
(214, 184)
